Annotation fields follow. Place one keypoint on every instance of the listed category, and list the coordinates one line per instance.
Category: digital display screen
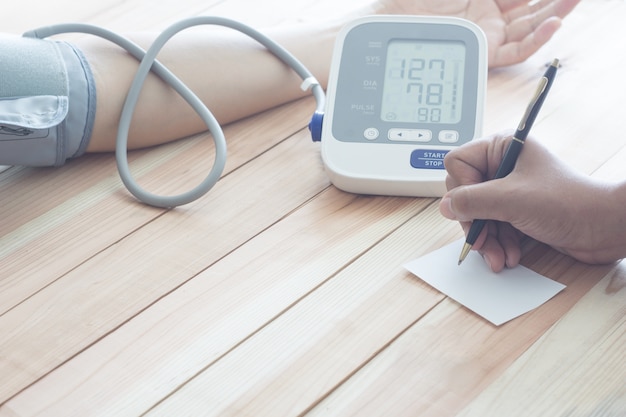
(423, 82)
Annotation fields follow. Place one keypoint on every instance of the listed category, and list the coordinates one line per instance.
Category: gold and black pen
(515, 147)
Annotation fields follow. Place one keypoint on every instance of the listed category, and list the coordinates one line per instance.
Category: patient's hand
(515, 30)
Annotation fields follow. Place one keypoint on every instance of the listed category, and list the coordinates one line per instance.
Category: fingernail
(445, 208)
(487, 261)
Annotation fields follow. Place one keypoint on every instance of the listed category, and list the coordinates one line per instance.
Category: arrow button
(410, 135)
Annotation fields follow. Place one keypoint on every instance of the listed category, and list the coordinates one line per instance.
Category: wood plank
(279, 295)
(264, 14)
(311, 348)
(59, 230)
(448, 357)
(146, 15)
(157, 351)
(30, 14)
(577, 368)
(129, 275)
(577, 121)
(411, 377)
(139, 15)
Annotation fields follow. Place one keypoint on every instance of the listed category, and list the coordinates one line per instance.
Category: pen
(515, 147)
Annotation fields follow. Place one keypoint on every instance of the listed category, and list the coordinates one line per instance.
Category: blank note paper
(496, 297)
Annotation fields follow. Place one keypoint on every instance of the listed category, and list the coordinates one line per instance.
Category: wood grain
(277, 294)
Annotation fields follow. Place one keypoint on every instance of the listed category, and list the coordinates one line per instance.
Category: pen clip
(543, 82)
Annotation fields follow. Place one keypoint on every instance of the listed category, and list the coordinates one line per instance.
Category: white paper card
(496, 297)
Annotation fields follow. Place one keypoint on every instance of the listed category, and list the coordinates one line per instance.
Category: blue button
(428, 158)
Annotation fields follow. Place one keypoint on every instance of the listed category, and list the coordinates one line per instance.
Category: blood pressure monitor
(402, 92)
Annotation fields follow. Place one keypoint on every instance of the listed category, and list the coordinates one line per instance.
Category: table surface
(277, 294)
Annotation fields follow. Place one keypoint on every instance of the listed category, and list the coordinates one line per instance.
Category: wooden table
(277, 294)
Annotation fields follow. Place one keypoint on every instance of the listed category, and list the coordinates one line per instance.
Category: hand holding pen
(515, 147)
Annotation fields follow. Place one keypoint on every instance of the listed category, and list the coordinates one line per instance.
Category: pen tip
(464, 252)
(555, 63)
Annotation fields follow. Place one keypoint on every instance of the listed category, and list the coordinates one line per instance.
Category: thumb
(486, 200)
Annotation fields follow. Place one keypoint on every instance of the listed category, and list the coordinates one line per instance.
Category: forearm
(611, 233)
(232, 74)
(595, 230)
(236, 77)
